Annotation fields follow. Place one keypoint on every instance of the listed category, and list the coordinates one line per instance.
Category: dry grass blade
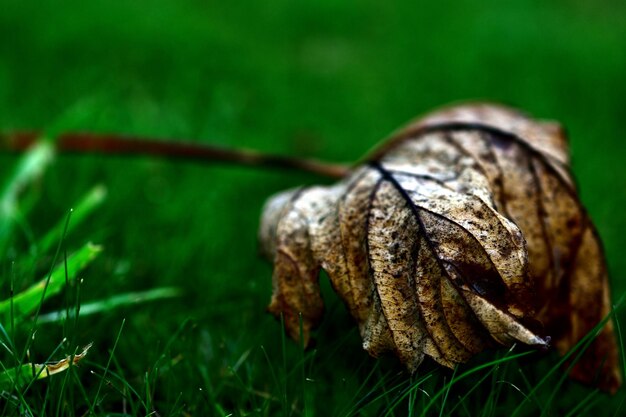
(22, 375)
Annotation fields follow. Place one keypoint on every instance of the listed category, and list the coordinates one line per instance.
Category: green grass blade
(85, 206)
(270, 366)
(116, 301)
(623, 356)
(283, 345)
(581, 405)
(30, 167)
(461, 399)
(108, 365)
(469, 372)
(620, 339)
(575, 351)
(21, 376)
(350, 408)
(445, 397)
(392, 403)
(27, 301)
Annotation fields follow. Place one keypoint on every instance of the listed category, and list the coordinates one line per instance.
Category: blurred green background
(316, 78)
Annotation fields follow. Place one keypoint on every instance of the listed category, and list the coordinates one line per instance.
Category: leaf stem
(114, 144)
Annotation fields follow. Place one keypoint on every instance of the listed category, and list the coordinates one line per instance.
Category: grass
(313, 78)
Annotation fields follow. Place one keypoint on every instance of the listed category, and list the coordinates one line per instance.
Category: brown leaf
(461, 232)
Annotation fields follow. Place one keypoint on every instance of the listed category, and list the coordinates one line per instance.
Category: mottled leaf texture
(462, 232)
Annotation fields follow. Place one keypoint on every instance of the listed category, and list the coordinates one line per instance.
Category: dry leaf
(464, 231)
(22, 375)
